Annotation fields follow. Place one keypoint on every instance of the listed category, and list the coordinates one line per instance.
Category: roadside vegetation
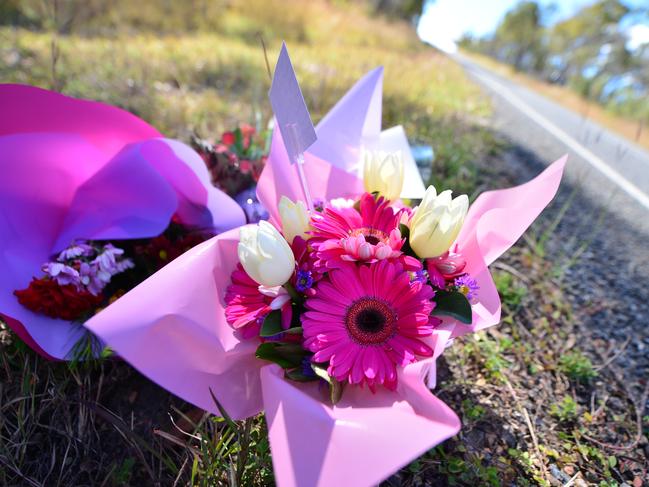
(539, 406)
(596, 55)
(634, 130)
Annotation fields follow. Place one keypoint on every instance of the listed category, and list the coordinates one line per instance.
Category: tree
(589, 45)
(518, 38)
(404, 9)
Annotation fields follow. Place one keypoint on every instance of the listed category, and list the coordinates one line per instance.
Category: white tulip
(265, 255)
(383, 173)
(295, 219)
(437, 222)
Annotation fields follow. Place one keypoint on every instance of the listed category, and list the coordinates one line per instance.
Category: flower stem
(292, 292)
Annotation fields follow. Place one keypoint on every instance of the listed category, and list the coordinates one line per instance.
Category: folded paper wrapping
(494, 222)
(74, 169)
(354, 124)
(172, 328)
(333, 164)
(364, 438)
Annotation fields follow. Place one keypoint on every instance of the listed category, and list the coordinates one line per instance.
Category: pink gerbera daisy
(247, 304)
(367, 319)
(349, 235)
(246, 307)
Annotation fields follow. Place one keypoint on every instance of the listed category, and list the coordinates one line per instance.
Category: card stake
(292, 116)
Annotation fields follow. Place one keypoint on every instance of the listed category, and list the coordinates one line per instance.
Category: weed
(122, 474)
(511, 292)
(491, 353)
(577, 366)
(472, 411)
(565, 411)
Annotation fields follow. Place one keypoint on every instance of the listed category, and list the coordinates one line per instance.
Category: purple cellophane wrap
(75, 169)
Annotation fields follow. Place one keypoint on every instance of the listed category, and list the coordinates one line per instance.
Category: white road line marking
(614, 176)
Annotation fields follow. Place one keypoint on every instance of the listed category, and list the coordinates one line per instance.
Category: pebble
(558, 474)
(579, 482)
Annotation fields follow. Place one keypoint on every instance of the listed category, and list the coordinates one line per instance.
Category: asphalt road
(606, 224)
(612, 170)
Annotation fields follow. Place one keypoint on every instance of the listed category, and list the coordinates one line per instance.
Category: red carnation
(48, 297)
(228, 138)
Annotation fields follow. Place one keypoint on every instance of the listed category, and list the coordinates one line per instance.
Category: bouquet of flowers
(330, 316)
(235, 162)
(75, 220)
(350, 292)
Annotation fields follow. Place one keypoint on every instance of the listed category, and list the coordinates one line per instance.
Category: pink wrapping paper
(172, 328)
(362, 440)
(495, 221)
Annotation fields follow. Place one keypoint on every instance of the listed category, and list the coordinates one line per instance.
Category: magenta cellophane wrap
(75, 169)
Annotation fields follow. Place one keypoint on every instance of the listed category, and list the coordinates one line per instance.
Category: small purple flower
(419, 276)
(304, 280)
(319, 204)
(467, 286)
(90, 279)
(92, 275)
(307, 370)
(107, 259)
(80, 249)
(61, 273)
(124, 264)
(111, 262)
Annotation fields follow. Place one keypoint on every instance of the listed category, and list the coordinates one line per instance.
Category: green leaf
(296, 330)
(106, 352)
(228, 419)
(335, 387)
(321, 372)
(272, 324)
(453, 304)
(299, 376)
(286, 355)
(238, 141)
(295, 296)
(335, 391)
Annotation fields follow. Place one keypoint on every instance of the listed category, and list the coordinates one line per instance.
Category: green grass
(208, 80)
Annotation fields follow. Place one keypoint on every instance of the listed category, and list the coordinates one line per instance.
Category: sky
(444, 21)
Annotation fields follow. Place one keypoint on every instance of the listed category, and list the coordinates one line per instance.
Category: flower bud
(265, 255)
(383, 173)
(449, 264)
(437, 222)
(295, 219)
